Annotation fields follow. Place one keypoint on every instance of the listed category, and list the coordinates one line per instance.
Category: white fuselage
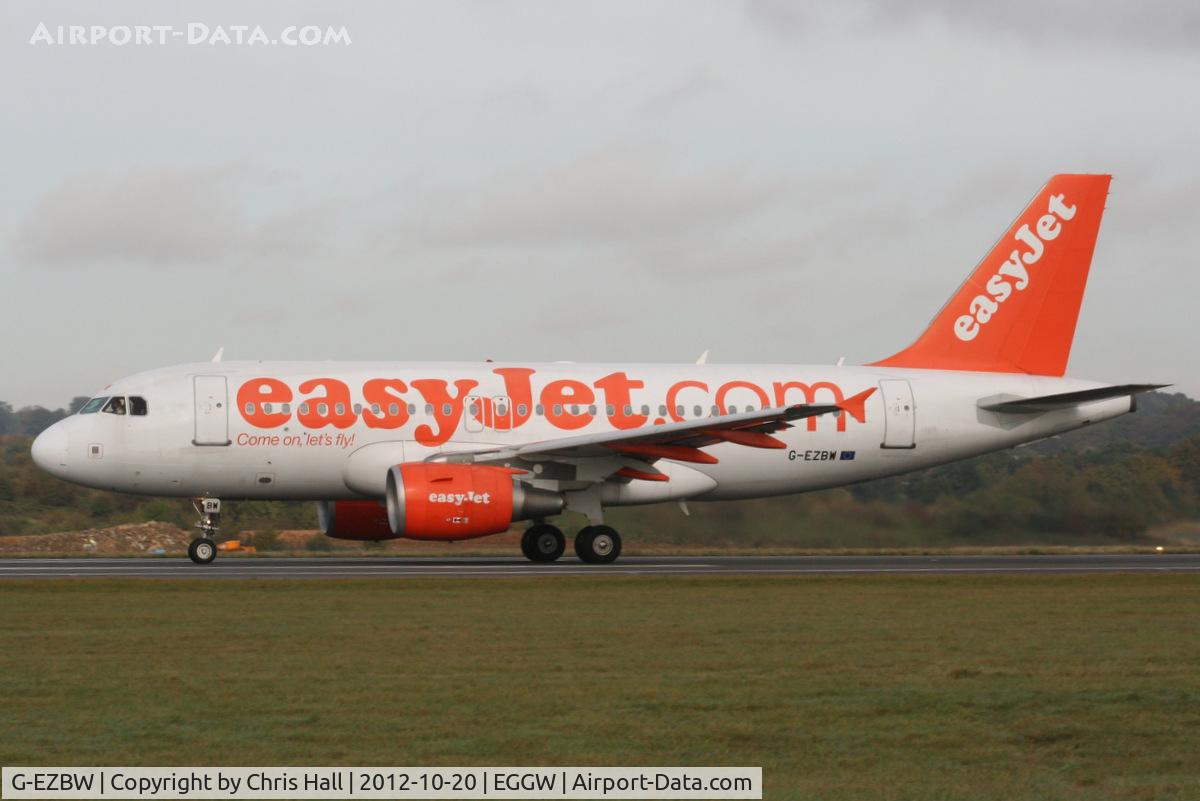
(328, 431)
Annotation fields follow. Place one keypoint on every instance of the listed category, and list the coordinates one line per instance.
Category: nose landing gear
(203, 549)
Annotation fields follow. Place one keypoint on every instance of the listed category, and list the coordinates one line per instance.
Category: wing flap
(751, 429)
(680, 441)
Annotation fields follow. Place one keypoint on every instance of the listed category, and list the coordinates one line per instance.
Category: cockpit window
(93, 406)
(115, 405)
(137, 405)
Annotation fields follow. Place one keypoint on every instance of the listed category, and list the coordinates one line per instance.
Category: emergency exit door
(900, 414)
(473, 414)
(481, 413)
(502, 413)
(212, 410)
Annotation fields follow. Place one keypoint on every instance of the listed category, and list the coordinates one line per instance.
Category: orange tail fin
(1016, 313)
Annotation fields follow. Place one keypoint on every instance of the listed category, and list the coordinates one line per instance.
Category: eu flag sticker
(847, 456)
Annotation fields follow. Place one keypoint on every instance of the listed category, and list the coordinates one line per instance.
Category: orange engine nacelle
(436, 501)
(354, 520)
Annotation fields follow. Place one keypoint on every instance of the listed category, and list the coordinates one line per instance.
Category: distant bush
(265, 539)
(101, 506)
(318, 542)
(156, 509)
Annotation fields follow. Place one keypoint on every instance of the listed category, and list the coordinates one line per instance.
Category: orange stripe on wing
(751, 439)
(678, 453)
(641, 475)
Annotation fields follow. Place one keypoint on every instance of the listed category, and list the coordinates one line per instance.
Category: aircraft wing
(682, 441)
(1063, 400)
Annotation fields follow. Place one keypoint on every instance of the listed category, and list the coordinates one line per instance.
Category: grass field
(896, 688)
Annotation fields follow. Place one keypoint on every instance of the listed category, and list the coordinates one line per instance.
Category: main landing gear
(595, 545)
(543, 542)
(203, 549)
(598, 545)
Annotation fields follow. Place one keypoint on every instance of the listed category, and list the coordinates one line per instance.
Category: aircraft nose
(50, 450)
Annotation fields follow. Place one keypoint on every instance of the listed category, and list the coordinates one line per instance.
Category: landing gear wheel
(598, 545)
(202, 551)
(543, 543)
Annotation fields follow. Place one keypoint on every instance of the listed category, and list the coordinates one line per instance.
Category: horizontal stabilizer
(1064, 400)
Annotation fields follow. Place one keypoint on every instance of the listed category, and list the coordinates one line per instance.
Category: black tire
(202, 551)
(598, 545)
(543, 543)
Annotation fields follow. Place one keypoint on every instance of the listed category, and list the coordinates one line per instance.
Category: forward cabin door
(900, 414)
(212, 410)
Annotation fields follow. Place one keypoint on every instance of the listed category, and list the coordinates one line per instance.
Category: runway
(509, 567)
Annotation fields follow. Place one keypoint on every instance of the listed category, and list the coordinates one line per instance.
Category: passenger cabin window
(93, 406)
(138, 406)
(115, 405)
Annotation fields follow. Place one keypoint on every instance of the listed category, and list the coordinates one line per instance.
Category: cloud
(779, 17)
(1149, 24)
(612, 195)
(159, 216)
(692, 87)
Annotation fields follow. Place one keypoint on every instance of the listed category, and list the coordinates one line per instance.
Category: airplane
(454, 451)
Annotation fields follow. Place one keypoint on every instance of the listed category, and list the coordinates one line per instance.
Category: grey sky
(776, 181)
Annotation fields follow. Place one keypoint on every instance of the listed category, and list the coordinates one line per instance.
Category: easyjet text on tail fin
(1016, 313)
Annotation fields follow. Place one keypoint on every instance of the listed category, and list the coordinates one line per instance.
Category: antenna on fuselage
(220, 352)
(703, 358)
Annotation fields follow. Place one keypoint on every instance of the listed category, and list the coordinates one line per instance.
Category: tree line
(29, 421)
(1122, 481)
